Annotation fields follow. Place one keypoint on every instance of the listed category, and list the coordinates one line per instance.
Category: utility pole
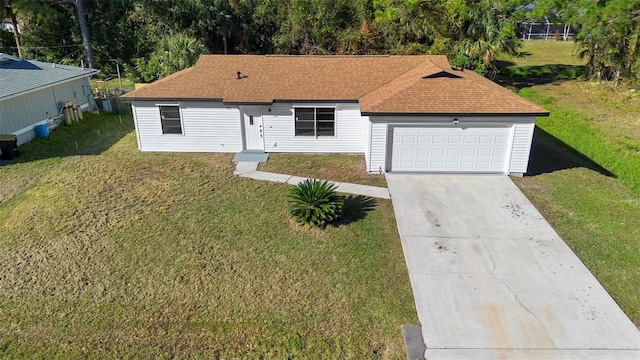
(86, 43)
(118, 69)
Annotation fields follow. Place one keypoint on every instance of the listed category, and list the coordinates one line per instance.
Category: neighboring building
(31, 92)
(404, 113)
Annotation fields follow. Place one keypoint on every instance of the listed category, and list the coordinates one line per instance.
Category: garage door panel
(450, 149)
(470, 139)
(440, 139)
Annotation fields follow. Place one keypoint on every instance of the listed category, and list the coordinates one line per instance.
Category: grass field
(113, 83)
(586, 165)
(108, 252)
(335, 167)
(539, 53)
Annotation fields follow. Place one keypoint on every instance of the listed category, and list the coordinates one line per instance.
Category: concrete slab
(413, 343)
(538, 354)
(295, 180)
(267, 176)
(365, 190)
(249, 170)
(245, 167)
(492, 279)
(250, 156)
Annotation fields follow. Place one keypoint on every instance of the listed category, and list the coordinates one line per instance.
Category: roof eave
(316, 100)
(89, 73)
(372, 113)
(135, 98)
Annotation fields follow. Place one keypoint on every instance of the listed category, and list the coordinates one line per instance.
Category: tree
(608, 37)
(47, 32)
(311, 26)
(471, 32)
(86, 42)
(174, 53)
(9, 12)
(411, 26)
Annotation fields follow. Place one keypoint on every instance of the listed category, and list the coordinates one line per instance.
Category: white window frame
(160, 106)
(315, 121)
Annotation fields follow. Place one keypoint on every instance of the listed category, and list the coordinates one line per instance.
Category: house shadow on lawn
(519, 77)
(93, 135)
(549, 154)
(355, 208)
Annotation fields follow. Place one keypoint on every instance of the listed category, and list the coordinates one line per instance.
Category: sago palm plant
(315, 202)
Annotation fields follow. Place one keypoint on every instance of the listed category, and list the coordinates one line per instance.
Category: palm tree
(485, 32)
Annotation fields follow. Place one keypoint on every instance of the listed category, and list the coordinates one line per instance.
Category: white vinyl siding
(206, 127)
(378, 156)
(279, 130)
(367, 143)
(521, 148)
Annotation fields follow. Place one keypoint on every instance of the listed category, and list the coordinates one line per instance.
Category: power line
(45, 47)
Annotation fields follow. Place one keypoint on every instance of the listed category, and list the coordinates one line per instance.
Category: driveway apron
(492, 280)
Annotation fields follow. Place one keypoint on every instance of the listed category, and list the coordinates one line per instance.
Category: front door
(253, 130)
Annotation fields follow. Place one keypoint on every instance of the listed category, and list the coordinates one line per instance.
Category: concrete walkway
(250, 170)
(492, 279)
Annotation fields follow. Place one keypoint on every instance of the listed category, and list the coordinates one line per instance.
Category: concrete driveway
(492, 279)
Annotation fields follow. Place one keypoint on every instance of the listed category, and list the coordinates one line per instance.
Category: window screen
(170, 119)
(315, 121)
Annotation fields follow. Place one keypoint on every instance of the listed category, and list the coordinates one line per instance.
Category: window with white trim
(315, 121)
(170, 119)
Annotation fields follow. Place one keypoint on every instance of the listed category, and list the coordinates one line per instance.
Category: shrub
(315, 202)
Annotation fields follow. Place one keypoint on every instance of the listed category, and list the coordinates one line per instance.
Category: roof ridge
(399, 84)
(172, 76)
(482, 81)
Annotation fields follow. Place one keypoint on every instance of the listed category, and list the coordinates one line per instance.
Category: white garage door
(450, 149)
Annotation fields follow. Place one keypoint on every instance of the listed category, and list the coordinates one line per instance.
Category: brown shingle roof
(381, 84)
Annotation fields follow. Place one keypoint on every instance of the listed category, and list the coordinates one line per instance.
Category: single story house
(404, 113)
(32, 92)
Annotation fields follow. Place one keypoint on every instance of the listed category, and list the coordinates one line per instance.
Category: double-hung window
(170, 119)
(315, 122)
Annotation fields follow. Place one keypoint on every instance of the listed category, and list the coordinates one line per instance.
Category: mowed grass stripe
(118, 253)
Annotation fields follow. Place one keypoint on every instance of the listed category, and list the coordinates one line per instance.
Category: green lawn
(114, 83)
(335, 167)
(586, 166)
(540, 52)
(108, 252)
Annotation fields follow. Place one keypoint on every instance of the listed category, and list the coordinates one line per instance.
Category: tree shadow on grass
(519, 77)
(355, 208)
(549, 154)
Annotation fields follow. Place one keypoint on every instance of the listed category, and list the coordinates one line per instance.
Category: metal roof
(19, 76)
